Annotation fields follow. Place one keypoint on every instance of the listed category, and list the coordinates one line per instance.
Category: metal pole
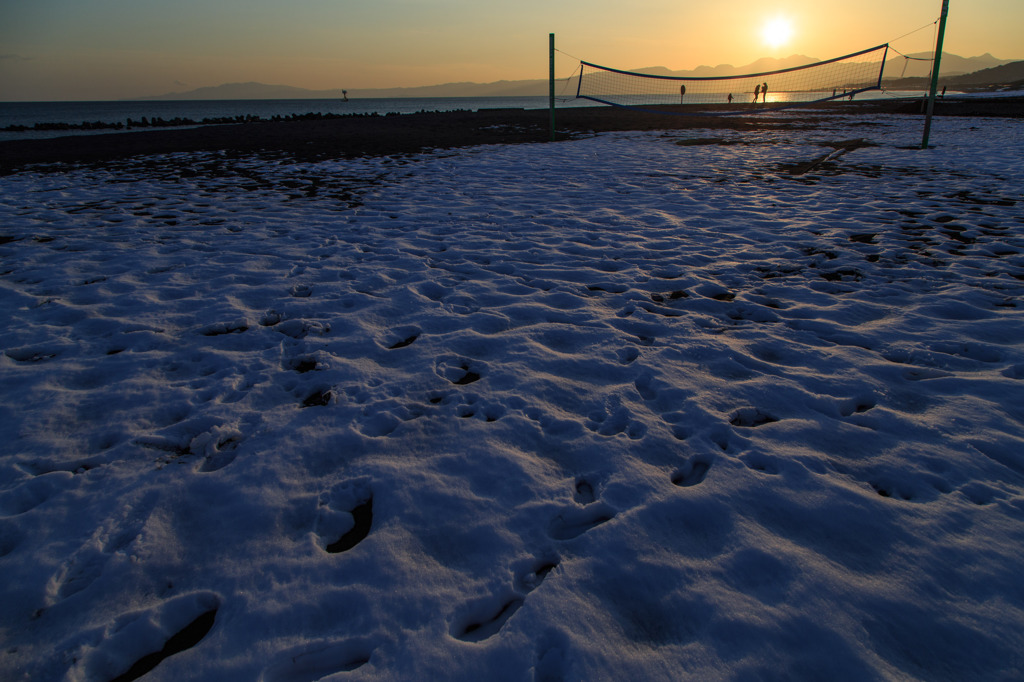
(551, 81)
(935, 74)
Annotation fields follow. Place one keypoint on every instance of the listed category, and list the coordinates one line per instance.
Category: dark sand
(411, 133)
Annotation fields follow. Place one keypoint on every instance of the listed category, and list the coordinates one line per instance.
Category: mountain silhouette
(1005, 76)
(919, 64)
(897, 67)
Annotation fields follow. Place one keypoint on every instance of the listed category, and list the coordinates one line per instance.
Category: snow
(615, 408)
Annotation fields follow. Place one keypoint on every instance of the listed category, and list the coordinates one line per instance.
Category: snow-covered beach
(683, 405)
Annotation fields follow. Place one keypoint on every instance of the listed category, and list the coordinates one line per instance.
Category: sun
(777, 32)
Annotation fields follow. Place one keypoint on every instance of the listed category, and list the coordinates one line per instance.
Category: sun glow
(777, 32)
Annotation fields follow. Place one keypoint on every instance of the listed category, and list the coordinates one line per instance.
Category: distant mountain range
(978, 71)
(919, 64)
(263, 91)
(1004, 75)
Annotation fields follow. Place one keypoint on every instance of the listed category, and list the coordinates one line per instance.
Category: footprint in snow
(673, 296)
(749, 417)
(925, 373)
(300, 329)
(647, 386)
(10, 538)
(1014, 372)
(407, 341)
(224, 328)
(487, 618)
(469, 377)
(692, 473)
(458, 371)
(362, 521)
(551, 664)
(922, 488)
(584, 493)
(627, 355)
(378, 424)
(319, 660)
(31, 354)
(888, 489)
(715, 291)
(318, 398)
(33, 492)
(573, 523)
(856, 405)
(469, 406)
(175, 626)
(301, 364)
(400, 337)
(346, 516)
(613, 420)
(757, 461)
(218, 451)
(483, 625)
(270, 318)
(88, 562)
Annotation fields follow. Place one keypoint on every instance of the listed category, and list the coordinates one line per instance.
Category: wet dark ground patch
(412, 133)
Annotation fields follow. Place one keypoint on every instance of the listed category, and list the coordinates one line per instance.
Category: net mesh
(842, 77)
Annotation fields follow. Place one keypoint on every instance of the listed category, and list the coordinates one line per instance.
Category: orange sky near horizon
(110, 49)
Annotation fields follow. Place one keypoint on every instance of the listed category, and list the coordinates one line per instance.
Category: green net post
(935, 75)
(551, 81)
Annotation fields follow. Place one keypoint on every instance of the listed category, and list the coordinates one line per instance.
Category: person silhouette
(757, 93)
(682, 91)
(764, 92)
(730, 98)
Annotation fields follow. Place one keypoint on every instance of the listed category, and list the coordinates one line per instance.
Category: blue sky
(111, 49)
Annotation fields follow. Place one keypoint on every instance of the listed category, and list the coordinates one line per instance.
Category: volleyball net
(832, 79)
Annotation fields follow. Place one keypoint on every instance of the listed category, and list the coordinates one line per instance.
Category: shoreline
(417, 132)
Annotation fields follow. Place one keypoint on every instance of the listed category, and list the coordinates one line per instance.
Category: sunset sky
(117, 49)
